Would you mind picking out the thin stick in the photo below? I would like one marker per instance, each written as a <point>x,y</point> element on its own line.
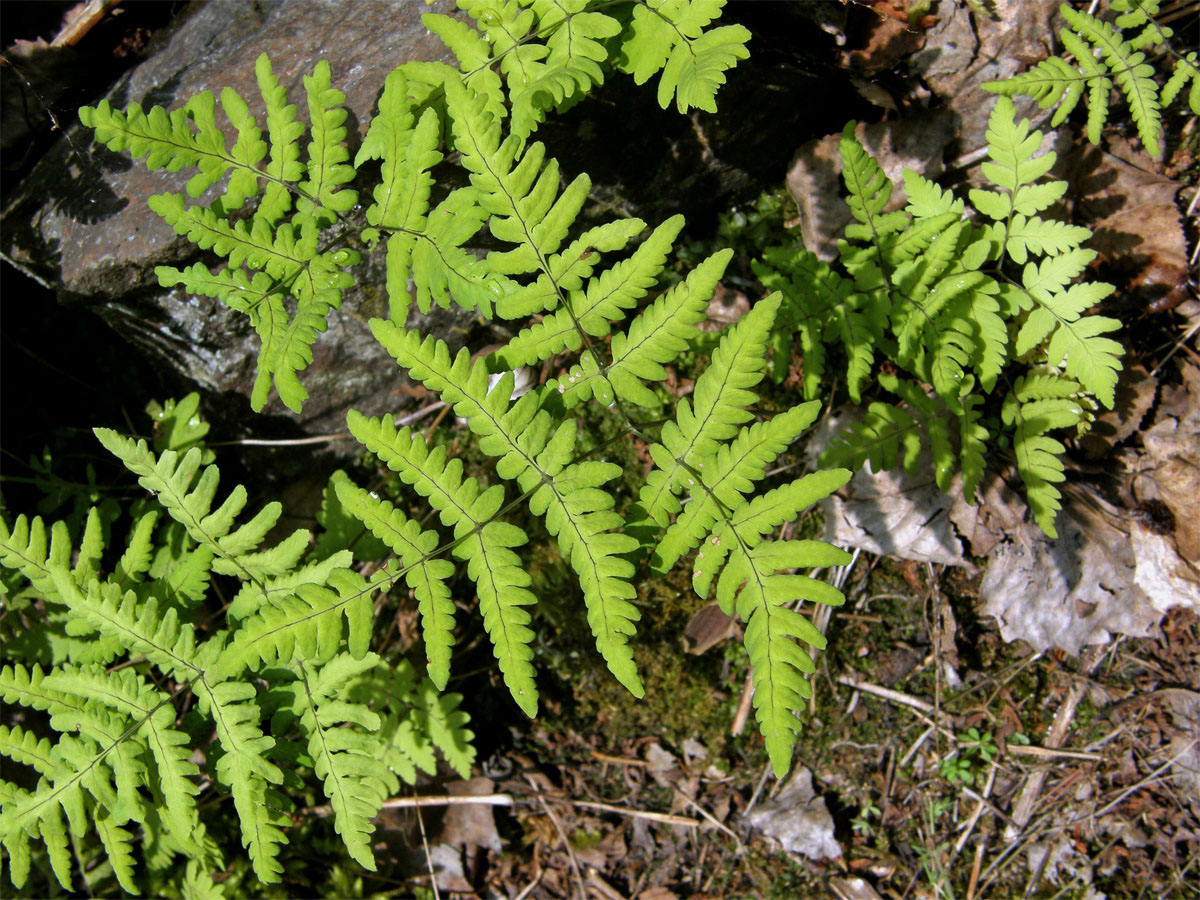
<point>1191,332</point>
<point>895,696</point>
<point>743,707</point>
<point>707,815</point>
<point>602,886</point>
<point>428,856</point>
<point>974,820</point>
<point>1023,808</point>
<point>661,818</point>
<point>618,760</point>
<point>525,891</point>
<point>438,800</point>
<point>975,866</point>
<point>289,442</point>
<point>1145,782</point>
<point>1051,753</point>
<point>757,790</point>
<point>83,22</point>
<point>917,745</point>
<point>323,438</point>
<point>562,834</point>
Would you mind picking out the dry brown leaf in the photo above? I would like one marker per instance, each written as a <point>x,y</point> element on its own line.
<point>1170,470</point>
<point>1136,225</point>
<point>725,308</point>
<point>814,180</point>
<point>885,42</point>
<point>708,628</point>
<point>1104,575</point>
<point>1135,396</point>
<point>997,512</point>
<point>798,819</point>
<point>470,825</point>
<point>658,892</point>
<point>893,513</point>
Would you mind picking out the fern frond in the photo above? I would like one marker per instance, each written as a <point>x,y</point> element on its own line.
<point>425,574</point>
<point>344,758</point>
<point>1037,404</point>
<point>869,192</point>
<point>577,512</point>
<point>658,334</point>
<point>821,305</point>
<point>669,36</point>
<point>304,622</point>
<point>26,748</point>
<point>427,245</point>
<point>973,438</point>
<point>168,643</point>
<point>283,167</point>
<point>288,255</point>
<point>467,508</point>
<point>322,195</point>
<point>881,436</point>
<point>185,137</point>
<point>749,586</point>
<point>150,711</point>
<point>1076,342</point>
<point>1035,235</point>
<point>772,631</point>
<point>720,397</point>
<point>418,720</point>
<point>521,196</point>
<point>728,477</point>
<point>1120,58</point>
<point>135,562</point>
<point>446,726</point>
<point>118,848</point>
<point>605,300</point>
<point>286,251</point>
<point>570,68</point>
<point>170,478</point>
<point>1187,69</point>
<point>25,549</point>
<point>28,687</point>
<point>39,814</point>
<point>244,768</point>
<point>1132,74</point>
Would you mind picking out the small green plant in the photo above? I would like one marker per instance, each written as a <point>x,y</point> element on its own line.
<point>933,853</point>
<point>958,770</point>
<point>975,751</point>
<point>862,823</point>
<point>981,745</point>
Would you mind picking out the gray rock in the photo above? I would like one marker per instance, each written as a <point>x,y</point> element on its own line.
<point>79,222</point>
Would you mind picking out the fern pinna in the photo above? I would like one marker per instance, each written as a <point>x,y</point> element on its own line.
<point>964,311</point>
<point>1105,53</point>
<point>124,647</point>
